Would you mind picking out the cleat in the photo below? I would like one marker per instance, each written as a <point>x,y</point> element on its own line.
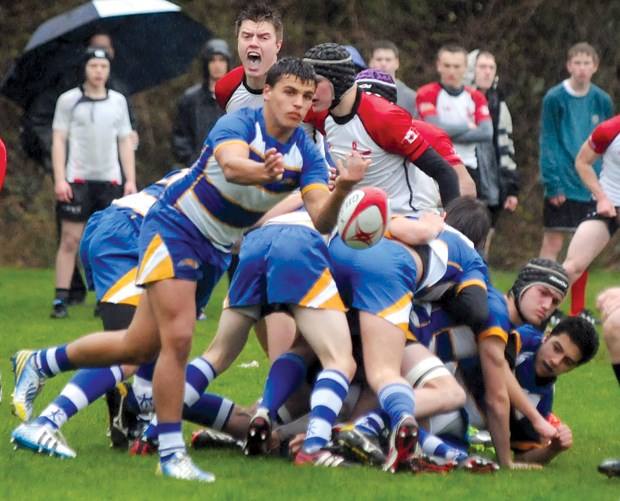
<point>182,468</point>
<point>144,446</point>
<point>121,417</point>
<point>208,438</point>
<point>402,444</point>
<point>477,464</point>
<point>359,446</point>
<point>28,384</point>
<point>589,316</point>
<point>43,439</point>
<point>322,457</point>
<point>610,467</point>
<point>429,464</point>
<point>59,309</point>
<point>259,432</point>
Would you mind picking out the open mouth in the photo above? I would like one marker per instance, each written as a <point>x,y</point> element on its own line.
<point>254,60</point>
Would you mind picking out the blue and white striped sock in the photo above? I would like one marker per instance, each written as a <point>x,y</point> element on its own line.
<point>52,361</point>
<point>372,423</point>
<point>198,376</point>
<point>82,390</point>
<point>170,440</point>
<point>329,392</point>
<point>397,400</point>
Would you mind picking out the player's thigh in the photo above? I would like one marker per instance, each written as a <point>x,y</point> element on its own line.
<point>588,241</point>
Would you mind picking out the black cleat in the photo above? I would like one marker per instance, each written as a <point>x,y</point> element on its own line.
<point>59,309</point>
<point>258,435</point>
<point>610,467</point>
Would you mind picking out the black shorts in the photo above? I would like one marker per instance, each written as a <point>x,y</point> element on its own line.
<point>88,198</point>
<point>613,223</point>
<point>495,211</point>
<point>567,216</point>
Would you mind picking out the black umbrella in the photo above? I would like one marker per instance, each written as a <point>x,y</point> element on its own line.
<point>153,40</point>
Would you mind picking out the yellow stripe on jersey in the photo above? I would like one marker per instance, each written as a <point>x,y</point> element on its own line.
<point>398,314</point>
<point>323,294</point>
<point>493,331</point>
<point>125,290</point>
<point>314,186</point>
<point>468,283</point>
<point>156,263</point>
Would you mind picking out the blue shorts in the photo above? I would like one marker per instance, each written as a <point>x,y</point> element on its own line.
<point>380,280</point>
<point>109,254</point>
<point>284,263</point>
<point>172,247</point>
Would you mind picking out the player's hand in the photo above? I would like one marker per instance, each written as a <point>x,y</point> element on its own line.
<point>511,203</point>
<point>274,164</point>
<point>545,430</point>
<point>557,200</point>
<point>130,188</point>
<point>352,170</point>
<point>295,443</point>
<point>333,174</point>
<point>608,301</point>
<point>605,208</point>
<point>524,466</point>
<point>564,439</point>
<point>63,191</point>
<point>434,221</point>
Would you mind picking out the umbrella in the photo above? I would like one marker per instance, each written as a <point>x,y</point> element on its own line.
<point>153,42</point>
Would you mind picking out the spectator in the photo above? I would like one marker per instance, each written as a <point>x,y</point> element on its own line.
<point>91,128</point>
<point>460,110</point>
<point>197,109</point>
<point>499,180</point>
<point>384,56</point>
<point>571,110</point>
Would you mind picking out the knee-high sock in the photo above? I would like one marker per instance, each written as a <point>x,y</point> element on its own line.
<point>170,440</point>
<point>143,388</point>
<point>397,400</point>
<point>329,392</point>
<point>285,375</point>
<point>372,423</point>
<point>198,376</point>
<point>82,390</point>
<point>435,446</point>
<point>52,361</point>
<point>210,410</point>
<point>578,294</point>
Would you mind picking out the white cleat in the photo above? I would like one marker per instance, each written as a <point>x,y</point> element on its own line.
<point>28,384</point>
<point>182,467</point>
<point>43,439</point>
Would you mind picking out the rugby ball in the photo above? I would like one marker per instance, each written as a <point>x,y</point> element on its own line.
<point>364,217</point>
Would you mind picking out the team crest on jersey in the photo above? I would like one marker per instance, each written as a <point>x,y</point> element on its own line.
<point>363,153</point>
<point>596,119</point>
<point>426,107</point>
<point>411,135</point>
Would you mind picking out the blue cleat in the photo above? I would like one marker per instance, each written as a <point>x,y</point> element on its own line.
<point>182,467</point>
<point>28,384</point>
<point>41,438</point>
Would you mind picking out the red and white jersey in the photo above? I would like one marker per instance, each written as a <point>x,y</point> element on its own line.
<point>385,133</point>
<point>605,140</point>
<point>426,197</point>
<point>469,106</point>
<point>232,93</point>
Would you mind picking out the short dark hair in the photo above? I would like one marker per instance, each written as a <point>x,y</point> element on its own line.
<point>259,12</point>
<point>292,66</point>
<point>471,217</point>
<point>384,44</point>
<point>452,48</point>
<point>582,333</point>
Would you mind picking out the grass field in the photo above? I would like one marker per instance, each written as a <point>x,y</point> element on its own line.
<point>587,399</point>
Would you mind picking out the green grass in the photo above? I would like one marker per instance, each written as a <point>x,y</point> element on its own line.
<point>587,399</point>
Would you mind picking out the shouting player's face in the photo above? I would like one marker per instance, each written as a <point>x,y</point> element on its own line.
<point>258,47</point>
<point>287,103</point>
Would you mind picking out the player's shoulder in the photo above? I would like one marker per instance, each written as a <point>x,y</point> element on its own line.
<point>226,86</point>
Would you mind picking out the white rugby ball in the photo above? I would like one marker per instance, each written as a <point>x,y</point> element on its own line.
<point>364,217</point>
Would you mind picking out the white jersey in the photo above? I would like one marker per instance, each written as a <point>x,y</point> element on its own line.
<point>93,127</point>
